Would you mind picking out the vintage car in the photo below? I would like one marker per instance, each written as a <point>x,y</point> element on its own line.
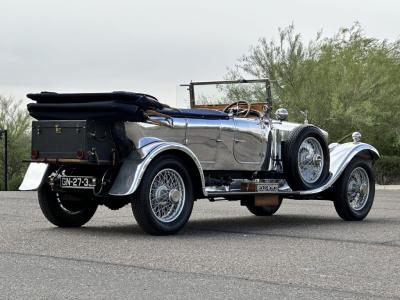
<point>112,149</point>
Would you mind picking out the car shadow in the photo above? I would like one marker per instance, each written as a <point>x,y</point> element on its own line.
<point>274,225</point>
<point>263,225</point>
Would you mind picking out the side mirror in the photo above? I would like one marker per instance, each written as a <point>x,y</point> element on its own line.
<point>281,114</point>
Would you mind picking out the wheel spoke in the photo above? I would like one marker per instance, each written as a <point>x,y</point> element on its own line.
<point>358,188</point>
<point>310,160</point>
<point>167,195</point>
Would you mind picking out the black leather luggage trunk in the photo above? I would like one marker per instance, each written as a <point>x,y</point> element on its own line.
<point>74,141</point>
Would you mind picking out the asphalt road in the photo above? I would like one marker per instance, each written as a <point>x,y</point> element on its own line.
<point>305,251</point>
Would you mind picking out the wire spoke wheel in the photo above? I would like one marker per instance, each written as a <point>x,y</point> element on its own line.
<point>353,194</point>
<point>167,195</point>
<point>164,200</point>
<point>358,188</point>
<point>310,160</point>
<point>306,158</point>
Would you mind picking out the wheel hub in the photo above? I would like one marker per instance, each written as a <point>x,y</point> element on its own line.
<point>317,159</point>
<point>174,195</point>
<point>363,188</point>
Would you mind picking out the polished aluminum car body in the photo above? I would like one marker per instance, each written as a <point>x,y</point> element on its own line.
<point>217,148</point>
<point>249,144</point>
<point>233,144</point>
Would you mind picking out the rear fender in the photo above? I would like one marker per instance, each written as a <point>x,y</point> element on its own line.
<point>340,156</point>
<point>135,165</point>
<point>34,176</point>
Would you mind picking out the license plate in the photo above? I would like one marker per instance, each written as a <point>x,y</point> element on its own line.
<point>260,187</point>
<point>267,187</point>
<point>78,182</point>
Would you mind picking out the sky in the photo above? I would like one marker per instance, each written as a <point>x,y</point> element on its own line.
<point>152,46</point>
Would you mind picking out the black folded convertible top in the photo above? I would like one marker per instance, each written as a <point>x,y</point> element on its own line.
<point>134,98</point>
<point>114,106</point>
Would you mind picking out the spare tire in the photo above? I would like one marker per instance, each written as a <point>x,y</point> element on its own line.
<point>306,158</point>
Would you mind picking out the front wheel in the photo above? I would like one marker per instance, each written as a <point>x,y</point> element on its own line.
<point>64,209</point>
<point>354,192</point>
<point>164,201</point>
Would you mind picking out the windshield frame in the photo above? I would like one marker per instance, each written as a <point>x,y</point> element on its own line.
<point>192,84</point>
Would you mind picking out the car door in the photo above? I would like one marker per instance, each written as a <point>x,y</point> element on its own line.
<point>248,141</point>
<point>203,138</point>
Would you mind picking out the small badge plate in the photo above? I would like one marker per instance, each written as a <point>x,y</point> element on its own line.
<point>260,187</point>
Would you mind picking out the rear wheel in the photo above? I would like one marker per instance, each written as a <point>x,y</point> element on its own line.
<point>66,210</point>
<point>164,200</point>
<point>354,192</point>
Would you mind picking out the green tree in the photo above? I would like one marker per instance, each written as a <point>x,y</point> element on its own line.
<point>347,82</point>
<point>16,120</point>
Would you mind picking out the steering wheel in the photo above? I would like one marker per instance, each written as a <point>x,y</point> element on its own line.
<point>237,111</point>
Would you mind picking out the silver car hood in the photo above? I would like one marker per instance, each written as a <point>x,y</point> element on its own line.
<point>286,127</point>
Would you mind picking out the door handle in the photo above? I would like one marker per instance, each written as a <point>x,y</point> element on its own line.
<point>217,140</point>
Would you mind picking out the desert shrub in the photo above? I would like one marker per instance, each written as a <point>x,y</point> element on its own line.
<point>387,170</point>
<point>15,118</point>
<point>348,82</point>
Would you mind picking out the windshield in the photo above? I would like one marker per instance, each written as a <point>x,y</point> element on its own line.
<point>225,92</point>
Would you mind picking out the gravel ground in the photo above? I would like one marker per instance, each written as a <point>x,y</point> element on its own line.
<point>305,251</point>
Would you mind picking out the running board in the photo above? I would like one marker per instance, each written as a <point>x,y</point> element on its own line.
<point>239,193</point>
<point>246,187</point>
<point>263,187</point>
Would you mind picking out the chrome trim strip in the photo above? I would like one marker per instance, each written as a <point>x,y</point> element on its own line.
<point>221,194</point>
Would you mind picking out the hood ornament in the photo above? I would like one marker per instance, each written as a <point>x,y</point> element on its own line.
<point>305,115</point>
<point>356,137</point>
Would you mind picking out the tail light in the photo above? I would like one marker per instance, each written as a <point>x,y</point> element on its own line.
<point>80,154</point>
<point>34,153</point>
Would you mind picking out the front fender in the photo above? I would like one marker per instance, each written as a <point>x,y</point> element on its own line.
<point>340,157</point>
<point>134,167</point>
